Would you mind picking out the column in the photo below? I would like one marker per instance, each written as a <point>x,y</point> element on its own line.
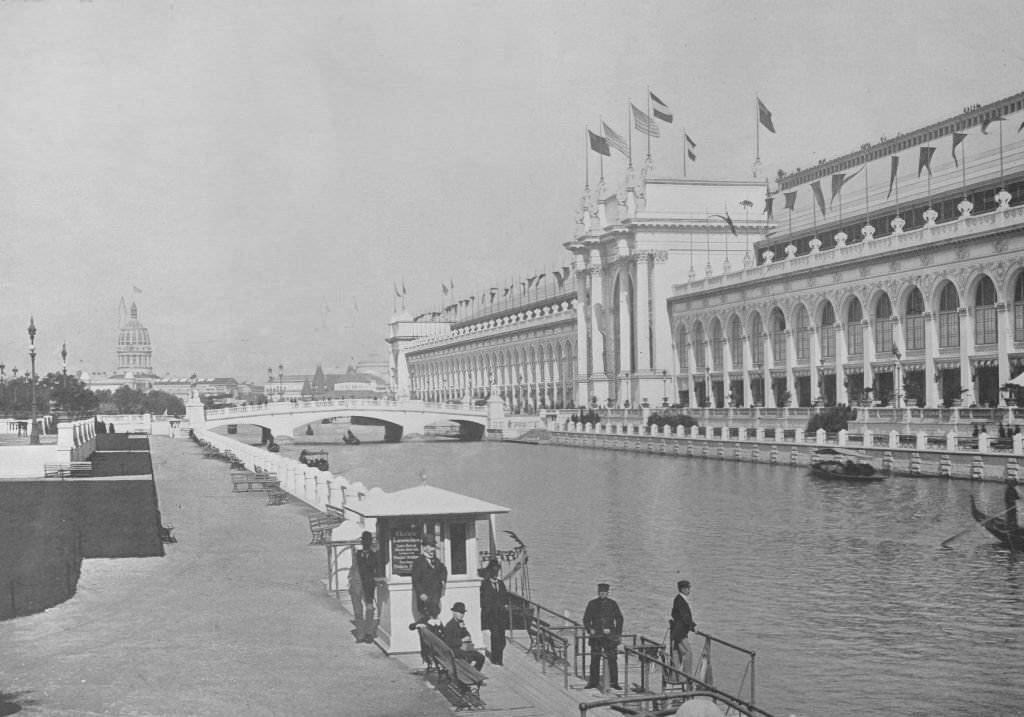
<point>868,337</point>
<point>748,367</point>
<point>931,350</point>
<point>643,312</point>
<point>596,341</point>
<point>661,333</point>
<point>842,392</point>
<point>766,377</point>
<point>623,346</point>
<point>1005,329</point>
<point>814,360</point>
<point>966,348</point>
<point>790,364</point>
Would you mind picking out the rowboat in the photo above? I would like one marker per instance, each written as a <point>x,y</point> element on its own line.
<point>1010,536</point>
<point>835,463</point>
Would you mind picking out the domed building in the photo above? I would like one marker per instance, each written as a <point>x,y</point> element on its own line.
<point>134,358</point>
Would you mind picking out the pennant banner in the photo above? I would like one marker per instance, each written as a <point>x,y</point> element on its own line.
<point>764,116</point>
<point>768,207</point>
<point>987,121</point>
<point>892,174</point>
<point>691,146</point>
<point>645,124</point>
<point>728,220</point>
<point>958,137</point>
<point>599,144</point>
<point>615,140</point>
<point>819,197</point>
<point>660,109</point>
<point>925,160</point>
<point>790,200</point>
<point>839,181</point>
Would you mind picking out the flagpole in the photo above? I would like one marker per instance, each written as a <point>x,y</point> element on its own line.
<point>648,132</point>
<point>629,126</point>
<point>963,167</point>
<point>685,149</point>
<point>867,197</point>
<point>1001,187</point>
<point>602,156</point>
<point>757,133</point>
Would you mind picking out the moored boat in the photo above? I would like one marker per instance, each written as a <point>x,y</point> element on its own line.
<point>835,463</point>
<point>1010,536</point>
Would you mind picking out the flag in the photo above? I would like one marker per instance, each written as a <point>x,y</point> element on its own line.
<point>728,220</point>
<point>398,294</point>
<point>599,144</point>
<point>444,288</point>
<point>1021,127</point>
<point>136,290</point>
<point>645,124</point>
<point>892,174</point>
<point>925,160</point>
<point>764,116</point>
<point>987,121</point>
<point>790,200</point>
<point>690,147</point>
<point>839,180</point>
<point>615,140</point>
<point>959,137</point>
<point>768,207</point>
<point>355,305</point>
<point>818,196</point>
<point>660,109</point>
<point>403,287</point>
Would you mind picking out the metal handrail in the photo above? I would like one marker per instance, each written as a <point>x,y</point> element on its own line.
<point>670,703</point>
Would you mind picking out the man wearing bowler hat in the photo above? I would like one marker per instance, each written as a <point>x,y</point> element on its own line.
<point>603,622</point>
<point>457,637</point>
<point>680,626</point>
<point>429,576</point>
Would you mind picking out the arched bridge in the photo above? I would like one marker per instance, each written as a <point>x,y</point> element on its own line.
<point>398,418</point>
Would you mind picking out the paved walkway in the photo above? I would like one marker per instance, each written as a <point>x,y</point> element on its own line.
<point>233,621</point>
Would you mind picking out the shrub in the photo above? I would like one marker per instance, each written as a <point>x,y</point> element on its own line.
<point>672,420</point>
<point>832,419</point>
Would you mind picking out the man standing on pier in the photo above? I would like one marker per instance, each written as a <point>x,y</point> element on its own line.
<point>1010,497</point>
<point>680,626</point>
<point>603,622</point>
<point>366,565</point>
<point>429,577</point>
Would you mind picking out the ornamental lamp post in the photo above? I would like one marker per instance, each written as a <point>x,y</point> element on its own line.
<point>897,369</point>
<point>821,382</point>
<point>64,364</point>
<point>280,382</point>
<point>664,388</point>
<point>33,435</point>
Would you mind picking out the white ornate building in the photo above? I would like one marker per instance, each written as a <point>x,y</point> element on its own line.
<point>866,278</point>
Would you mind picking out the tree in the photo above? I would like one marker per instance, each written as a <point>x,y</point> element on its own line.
<point>68,395</point>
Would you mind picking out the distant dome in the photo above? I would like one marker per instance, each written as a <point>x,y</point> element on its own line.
<point>134,351</point>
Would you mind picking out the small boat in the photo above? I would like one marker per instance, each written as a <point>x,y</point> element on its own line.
<point>835,463</point>
<point>350,439</point>
<point>1010,536</point>
<point>315,459</point>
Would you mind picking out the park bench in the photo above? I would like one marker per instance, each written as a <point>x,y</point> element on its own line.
<point>462,680</point>
<point>276,496</point>
<point>67,470</point>
<point>246,481</point>
<point>320,527</point>
<point>167,534</point>
<point>546,642</point>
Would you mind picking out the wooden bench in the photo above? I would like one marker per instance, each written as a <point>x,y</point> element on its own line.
<point>246,481</point>
<point>463,680</point>
<point>320,527</point>
<point>546,642</point>
<point>276,496</point>
<point>67,470</point>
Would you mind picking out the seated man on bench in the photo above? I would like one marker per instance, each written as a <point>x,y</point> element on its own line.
<point>457,637</point>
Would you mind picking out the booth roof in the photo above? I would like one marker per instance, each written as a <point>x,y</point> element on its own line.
<point>421,500</point>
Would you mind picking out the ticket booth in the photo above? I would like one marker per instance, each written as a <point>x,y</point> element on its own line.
<point>405,517</point>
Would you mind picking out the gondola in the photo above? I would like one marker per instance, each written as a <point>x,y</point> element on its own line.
<point>1012,538</point>
<point>836,464</point>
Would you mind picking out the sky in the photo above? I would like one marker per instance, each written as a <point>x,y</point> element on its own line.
<point>259,176</point>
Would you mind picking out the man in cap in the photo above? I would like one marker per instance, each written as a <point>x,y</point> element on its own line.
<point>458,638</point>
<point>429,577</point>
<point>680,626</point>
<point>1010,497</point>
<point>603,622</point>
<point>366,566</point>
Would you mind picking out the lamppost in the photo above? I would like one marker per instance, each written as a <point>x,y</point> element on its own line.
<point>664,388</point>
<point>821,381</point>
<point>280,382</point>
<point>707,386</point>
<point>64,364</point>
<point>269,392</point>
<point>629,391</point>
<point>33,434</point>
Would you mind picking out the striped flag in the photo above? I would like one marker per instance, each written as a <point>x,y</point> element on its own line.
<point>764,116</point>
<point>660,109</point>
<point>599,144</point>
<point>615,140</point>
<point>690,147</point>
<point>645,124</point>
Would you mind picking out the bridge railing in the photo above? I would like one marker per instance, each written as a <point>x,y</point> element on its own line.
<point>303,406</point>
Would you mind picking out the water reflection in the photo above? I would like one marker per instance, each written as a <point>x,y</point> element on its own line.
<point>842,589</point>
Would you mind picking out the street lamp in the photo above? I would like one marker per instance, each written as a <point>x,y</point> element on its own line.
<point>280,382</point>
<point>821,381</point>
<point>64,364</point>
<point>33,435</point>
<point>629,391</point>
<point>897,368</point>
<point>664,388</point>
<point>707,386</point>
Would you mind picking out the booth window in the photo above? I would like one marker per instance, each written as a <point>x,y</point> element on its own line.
<point>457,539</point>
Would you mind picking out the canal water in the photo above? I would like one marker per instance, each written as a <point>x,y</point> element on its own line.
<point>843,590</point>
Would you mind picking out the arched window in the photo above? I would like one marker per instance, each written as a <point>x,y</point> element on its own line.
<point>1018,308</point>
<point>803,334</point>
<point>854,329</point>
<point>883,325</point>
<point>700,357</point>
<point>949,317</point>
<point>778,337</point>
<point>986,329</point>
<point>717,344</point>
<point>736,342</point>
<point>757,340</point>
<point>828,331</point>
<point>913,325</point>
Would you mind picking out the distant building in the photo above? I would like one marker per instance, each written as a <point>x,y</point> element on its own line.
<point>134,358</point>
<point>351,384</point>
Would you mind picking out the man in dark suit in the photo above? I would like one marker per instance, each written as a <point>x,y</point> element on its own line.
<point>457,637</point>
<point>494,609</point>
<point>603,622</point>
<point>680,627</point>
<point>366,566</point>
<point>429,577</point>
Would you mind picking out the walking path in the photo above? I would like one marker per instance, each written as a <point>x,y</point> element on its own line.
<point>234,620</point>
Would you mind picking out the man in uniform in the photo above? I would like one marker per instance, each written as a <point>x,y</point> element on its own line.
<point>429,577</point>
<point>680,626</point>
<point>457,637</point>
<point>366,566</point>
<point>603,622</point>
